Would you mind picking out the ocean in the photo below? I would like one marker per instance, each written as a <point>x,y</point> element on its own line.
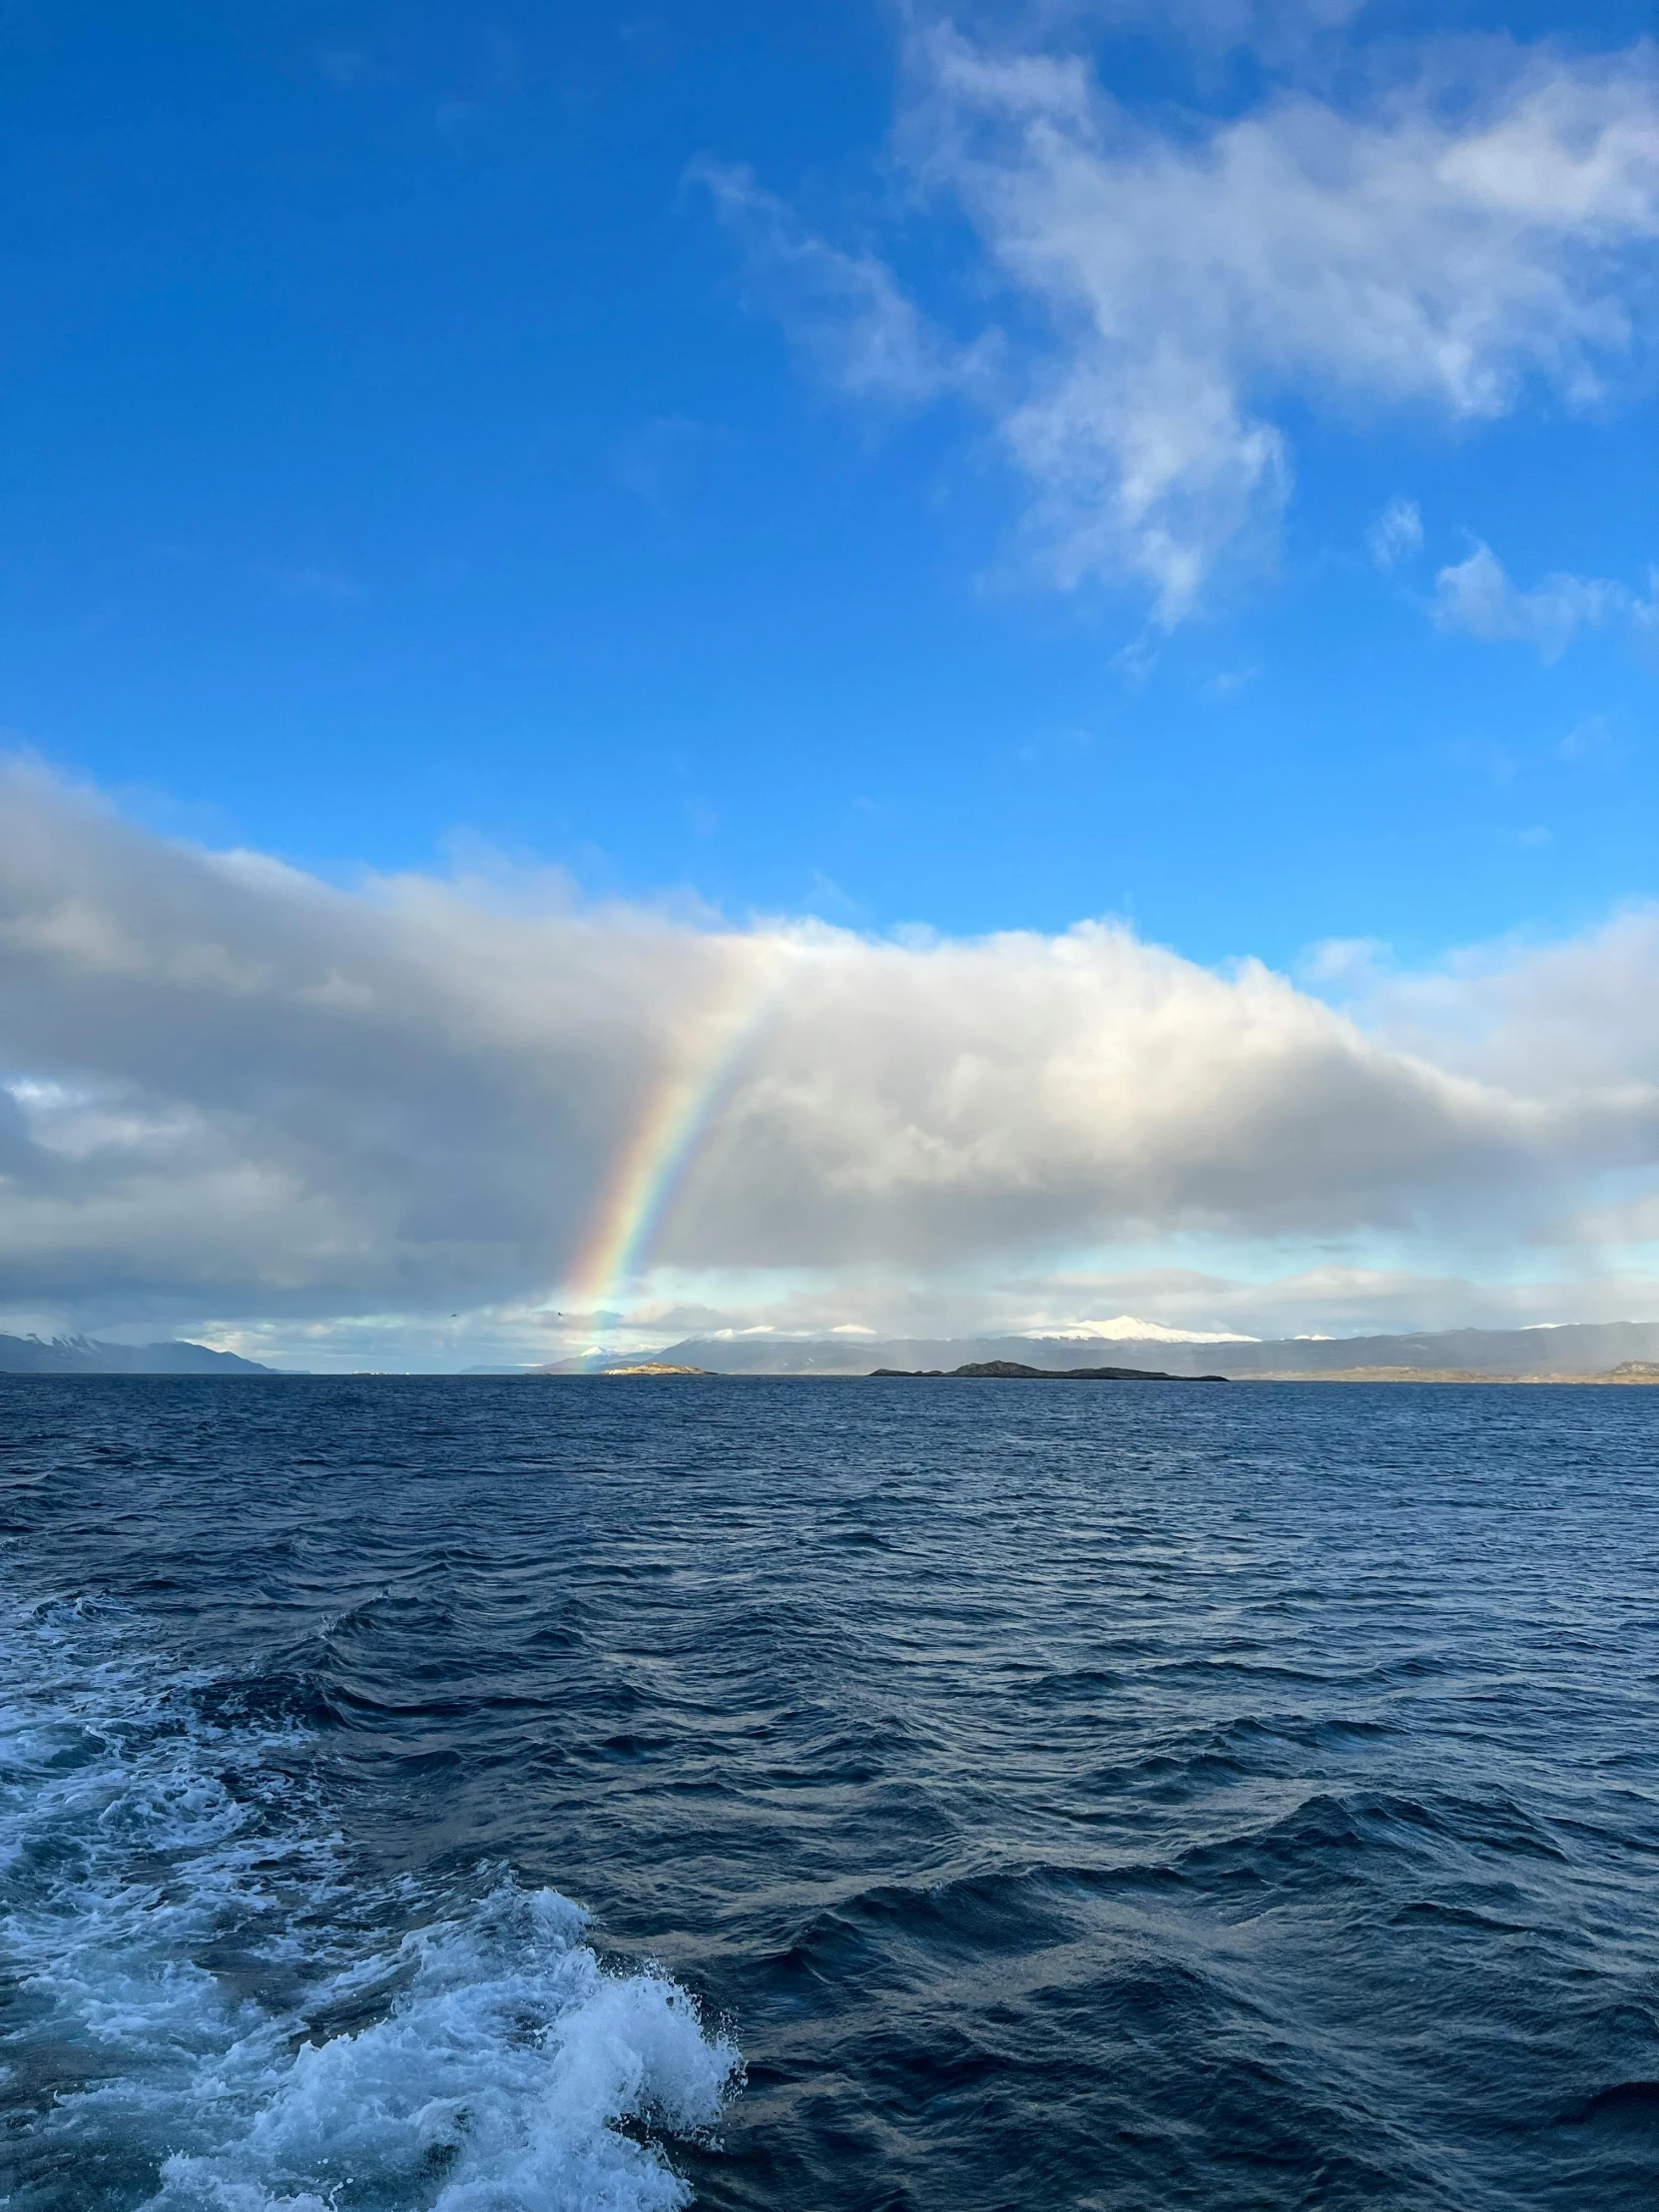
<point>513,1796</point>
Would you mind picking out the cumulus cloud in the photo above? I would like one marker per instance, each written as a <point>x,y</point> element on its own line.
<point>1537,1020</point>
<point>1477,598</point>
<point>229,1088</point>
<point>1169,286</point>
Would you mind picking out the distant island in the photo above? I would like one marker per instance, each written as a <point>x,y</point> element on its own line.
<point>84,1355</point>
<point>652,1367</point>
<point>1011,1370</point>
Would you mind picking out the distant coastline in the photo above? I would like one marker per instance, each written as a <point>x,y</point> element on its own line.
<point>1601,1354</point>
<point>1622,1352</point>
<point>1637,1372</point>
<point>1012,1370</point>
<point>86,1356</point>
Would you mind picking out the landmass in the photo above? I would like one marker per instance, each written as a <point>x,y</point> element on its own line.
<point>1625,1353</point>
<point>86,1356</point>
<point>998,1370</point>
<point>652,1367</point>
<point>1631,1371</point>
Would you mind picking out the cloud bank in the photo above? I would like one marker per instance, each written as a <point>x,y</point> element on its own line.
<point>1164,288</point>
<point>231,1089</point>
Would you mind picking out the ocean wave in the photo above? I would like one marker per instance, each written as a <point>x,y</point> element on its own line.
<point>211,2014</point>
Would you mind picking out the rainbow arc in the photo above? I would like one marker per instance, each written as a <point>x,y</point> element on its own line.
<point>679,1113</point>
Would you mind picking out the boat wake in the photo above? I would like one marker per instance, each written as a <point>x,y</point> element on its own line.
<point>208,2015</point>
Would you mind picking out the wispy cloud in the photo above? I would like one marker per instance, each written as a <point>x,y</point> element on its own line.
<point>1591,740</point>
<point>1396,534</point>
<point>1477,598</point>
<point>1164,287</point>
<point>664,460</point>
<point>847,310</point>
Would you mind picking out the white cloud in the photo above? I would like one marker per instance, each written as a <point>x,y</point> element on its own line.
<point>1410,255</point>
<point>1477,598</point>
<point>1276,29</point>
<point>1317,1296</point>
<point>233,1090</point>
<point>865,336</point>
<point>1632,1222</point>
<point>1396,534</point>
<point>1345,962</point>
<point>1543,1022</point>
<point>1167,286</point>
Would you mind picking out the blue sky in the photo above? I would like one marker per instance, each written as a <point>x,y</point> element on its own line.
<point>398,445</point>
<point>696,449</point>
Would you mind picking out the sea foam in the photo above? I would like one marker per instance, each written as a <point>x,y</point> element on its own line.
<point>212,2015</point>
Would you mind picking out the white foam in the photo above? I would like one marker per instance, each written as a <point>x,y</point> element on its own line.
<point>188,1939</point>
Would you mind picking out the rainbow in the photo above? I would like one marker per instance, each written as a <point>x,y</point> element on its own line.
<point>679,1110</point>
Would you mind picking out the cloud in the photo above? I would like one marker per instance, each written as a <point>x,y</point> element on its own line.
<point>232,1089</point>
<point>1477,598</point>
<point>1167,286</point>
<point>1634,1222</point>
<point>1272,26</point>
<point>1281,33</point>
<point>663,461</point>
<point>1228,682</point>
<point>1589,740</point>
<point>1413,253</point>
<point>1345,962</point>
<point>847,312</point>
<point>1578,1016</point>
<point>1396,534</point>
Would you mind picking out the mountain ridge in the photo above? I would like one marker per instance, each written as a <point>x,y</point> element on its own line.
<point>86,1356</point>
<point>1575,1348</point>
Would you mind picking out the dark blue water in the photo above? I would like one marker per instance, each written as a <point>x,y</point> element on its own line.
<point>1092,1796</point>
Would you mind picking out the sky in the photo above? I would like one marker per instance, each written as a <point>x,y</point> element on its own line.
<point>786,668</point>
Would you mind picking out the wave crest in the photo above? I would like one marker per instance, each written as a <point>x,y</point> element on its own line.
<point>217,2019</point>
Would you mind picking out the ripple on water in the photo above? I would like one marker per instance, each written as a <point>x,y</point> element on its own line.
<point>1242,1800</point>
